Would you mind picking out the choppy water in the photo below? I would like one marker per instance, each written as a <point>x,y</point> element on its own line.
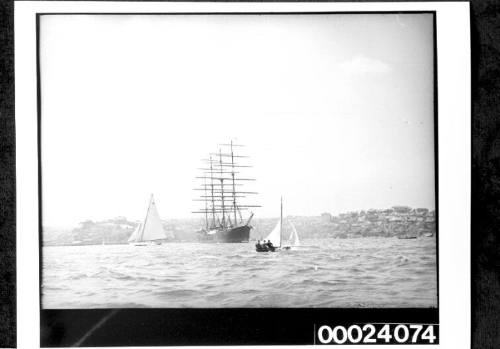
<point>364,272</point>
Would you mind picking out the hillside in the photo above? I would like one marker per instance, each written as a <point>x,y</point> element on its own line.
<point>396,221</point>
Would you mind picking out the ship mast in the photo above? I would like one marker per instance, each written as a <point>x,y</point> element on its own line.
<point>206,203</point>
<point>212,192</point>
<point>234,186</point>
<point>222,190</point>
<point>281,221</point>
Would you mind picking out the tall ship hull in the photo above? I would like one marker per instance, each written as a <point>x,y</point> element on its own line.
<point>230,235</point>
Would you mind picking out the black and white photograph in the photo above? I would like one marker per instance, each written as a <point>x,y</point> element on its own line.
<point>254,161</point>
<point>242,174</point>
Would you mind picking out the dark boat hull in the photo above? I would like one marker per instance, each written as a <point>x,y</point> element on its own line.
<point>230,235</point>
<point>265,248</point>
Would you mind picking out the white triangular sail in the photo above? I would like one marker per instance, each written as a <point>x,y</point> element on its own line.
<point>135,235</point>
<point>153,229</point>
<point>275,235</point>
<point>294,236</point>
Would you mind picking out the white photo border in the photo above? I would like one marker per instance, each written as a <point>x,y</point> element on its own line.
<point>454,145</point>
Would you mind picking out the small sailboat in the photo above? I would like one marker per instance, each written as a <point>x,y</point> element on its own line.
<point>293,239</point>
<point>149,232</point>
<point>272,242</point>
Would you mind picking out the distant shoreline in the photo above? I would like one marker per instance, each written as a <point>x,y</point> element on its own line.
<point>397,221</point>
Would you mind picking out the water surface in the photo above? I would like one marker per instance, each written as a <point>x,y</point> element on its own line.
<point>364,272</point>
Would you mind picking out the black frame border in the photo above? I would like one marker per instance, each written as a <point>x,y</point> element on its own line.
<point>8,289</point>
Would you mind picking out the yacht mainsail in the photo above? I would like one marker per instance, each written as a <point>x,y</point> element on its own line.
<point>275,235</point>
<point>274,241</point>
<point>151,229</point>
<point>135,235</point>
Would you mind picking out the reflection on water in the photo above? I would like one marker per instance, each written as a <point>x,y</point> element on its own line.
<point>364,272</point>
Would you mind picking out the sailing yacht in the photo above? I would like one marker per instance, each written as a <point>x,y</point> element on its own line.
<point>149,232</point>
<point>272,242</point>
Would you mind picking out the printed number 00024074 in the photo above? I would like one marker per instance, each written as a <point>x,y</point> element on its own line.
<point>377,334</point>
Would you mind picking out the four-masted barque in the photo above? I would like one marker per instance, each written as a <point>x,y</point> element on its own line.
<point>222,190</point>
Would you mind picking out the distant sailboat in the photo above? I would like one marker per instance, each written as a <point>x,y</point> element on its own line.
<point>151,230</point>
<point>294,237</point>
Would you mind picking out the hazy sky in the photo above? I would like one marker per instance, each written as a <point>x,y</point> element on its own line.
<point>336,111</point>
